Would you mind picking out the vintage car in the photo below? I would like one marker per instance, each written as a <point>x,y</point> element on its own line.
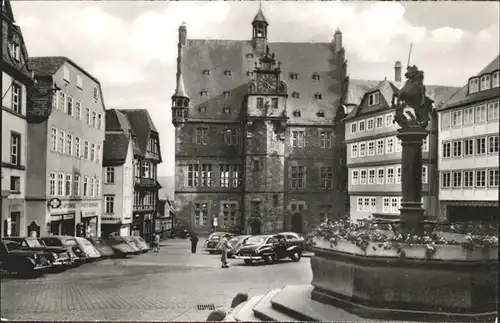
<point>140,243</point>
<point>212,242</point>
<point>269,248</point>
<point>58,256</point>
<point>76,254</point>
<point>235,244</point>
<point>122,247</point>
<point>104,249</point>
<point>295,238</point>
<point>91,252</point>
<point>22,261</point>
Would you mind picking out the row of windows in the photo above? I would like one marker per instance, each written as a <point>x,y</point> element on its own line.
<point>469,116</point>
<point>110,175</point>
<point>388,145</point>
<point>478,178</point>
<point>73,108</point>
<point>145,169</point>
<point>293,76</point>
<point>381,175</point>
<point>144,199</point>
<point>66,143</point>
<point>470,147</point>
<point>483,82</point>
<point>229,214</point>
<point>369,124</point>
<point>61,184</point>
<point>369,204</point>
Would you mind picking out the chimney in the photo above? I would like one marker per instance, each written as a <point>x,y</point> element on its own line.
<point>397,71</point>
<point>337,40</point>
<point>182,34</point>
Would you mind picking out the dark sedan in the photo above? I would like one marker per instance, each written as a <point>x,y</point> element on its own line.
<point>268,248</point>
<point>101,245</point>
<point>212,243</point>
<point>235,244</point>
<point>58,256</point>
<point>22,261</point>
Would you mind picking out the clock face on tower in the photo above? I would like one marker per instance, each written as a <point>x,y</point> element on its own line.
<point>267,83</point>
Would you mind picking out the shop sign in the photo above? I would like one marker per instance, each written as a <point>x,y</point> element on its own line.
<point>91,213</point>
<point>91,205</point>
<point>56,218</point>
<point>68,216</point>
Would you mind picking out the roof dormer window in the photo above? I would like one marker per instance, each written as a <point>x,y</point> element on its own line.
<point>296,113</point>
<point>495,79</point>
<point>294,76</point>
<point>315,76</point>
<point>206,72</point>
<point>485,82</point>
<point>203,93</point>
<point>227,94</point>
<point>227,73</point>
<point>15,48</point>
<point>373,99</point>
<point>318,96</point>
<point>202,109</point>
<point>249,73</point>
<point>226,110</point>
<point>473,85</point>
<point>295,95</point>
<point>321,114</point>
<point>249,55</point>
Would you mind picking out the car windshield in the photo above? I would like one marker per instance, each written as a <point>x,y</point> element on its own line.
<point>51,242</point>
<point>254,240</point>
<point>40,241</point>
<point>33,243</point>
<point>70,243</point>
<point>98,241</point>
<point>13,246</point>
<point>85,242</point>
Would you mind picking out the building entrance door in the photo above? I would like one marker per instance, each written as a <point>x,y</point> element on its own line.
<point>297,223</point>
<point>255,227</point>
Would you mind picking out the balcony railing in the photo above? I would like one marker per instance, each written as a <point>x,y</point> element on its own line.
<point>140,207</point>
<point>147,182</point>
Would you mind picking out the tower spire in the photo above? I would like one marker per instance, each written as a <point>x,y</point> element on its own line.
<point>259,31</point>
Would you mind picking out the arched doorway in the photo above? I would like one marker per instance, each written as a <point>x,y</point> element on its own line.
<point>255,227</point>
<point>297,223</point>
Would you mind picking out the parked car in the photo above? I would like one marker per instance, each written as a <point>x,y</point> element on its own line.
<point>212,242</point>
<point>141,243</point>
<point>58,256</point>
<point>22,261</point>
<point>88,249</point>
<point>235,244</point>
<point>295,238</point>
<point>131,248</point>
<point>75,252</point>
<point>269,248</point>
<point>104,249</point>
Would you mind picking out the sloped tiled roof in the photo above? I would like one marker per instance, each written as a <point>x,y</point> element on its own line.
<point>49,65</point>
<point>357,88</point>
<point>115,149</point>
<point>142,124</point>
<point>259,17</point>
<point>305,59</point>
<point>461,97</point>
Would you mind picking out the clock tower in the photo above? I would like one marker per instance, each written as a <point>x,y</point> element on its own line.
<point>265,125</point>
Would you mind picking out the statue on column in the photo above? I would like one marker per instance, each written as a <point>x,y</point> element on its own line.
<point>412,95</point>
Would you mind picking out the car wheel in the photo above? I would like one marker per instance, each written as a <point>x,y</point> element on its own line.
<point>211,252</point>
<point>295,256</point>
<point>269,259</point>
<point>248,261</point>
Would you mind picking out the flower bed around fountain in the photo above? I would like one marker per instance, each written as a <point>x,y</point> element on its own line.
<point>375,273</point>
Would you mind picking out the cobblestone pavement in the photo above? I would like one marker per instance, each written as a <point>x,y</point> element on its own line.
<point>154,286</point>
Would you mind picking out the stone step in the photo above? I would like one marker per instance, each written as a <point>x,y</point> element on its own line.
<point>264,311</point>
<point>245,312</point>
<point>295,301</point>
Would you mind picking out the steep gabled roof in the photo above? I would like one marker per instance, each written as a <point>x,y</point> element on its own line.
<point>356,90</point>
<point>115,149</point>
<point>259,17</point>
<point>461,97</point>
<point>238,56</point>
<point>49,65</point>
<point>142,125</point>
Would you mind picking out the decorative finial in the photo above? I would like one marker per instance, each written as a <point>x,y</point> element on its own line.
<point>267,49</point>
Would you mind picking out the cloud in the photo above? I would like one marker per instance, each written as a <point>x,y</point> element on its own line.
<point>447,35</point>
<point>27,22</point>
<point>118,72</point>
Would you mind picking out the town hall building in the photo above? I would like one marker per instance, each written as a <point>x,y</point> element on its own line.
<point>259,139</point>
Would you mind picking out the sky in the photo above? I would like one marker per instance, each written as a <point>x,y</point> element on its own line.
<point>131,46</point>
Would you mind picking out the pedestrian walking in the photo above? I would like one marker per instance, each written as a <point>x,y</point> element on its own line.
<point>156,243</point>
<point>224,247</point>
<point>194,242</point>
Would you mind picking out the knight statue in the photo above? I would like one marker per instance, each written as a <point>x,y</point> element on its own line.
<point>412,95</point>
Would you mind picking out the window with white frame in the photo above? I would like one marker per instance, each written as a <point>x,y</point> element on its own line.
<point>485,82</point>
<point>92,187</point>
<point>68,185</point>
<point>354,177</point>
<point>69,144</point>
<point>76,185</point>
<point>86,152</point>
<point>94,119</point>
<point>380,176</point>
<point>110,175</point>
<point>85,186</point>
<point>371,176</point>
<point>60,184</point>
<point>468,117</point>
<point>78,148</point>
<point>493,111</point>
<point>109,204</point>
<point>54,100</point>
<point>398,174</point>
<point>66,74</point>
<point>386,205</point>
<point>92,152</point>
<point>371,148</point>
<point>480,146</point>
<point>480,113</point>
<point>366,204</point>
<point>480,178</point>
<point>52,184</point>
<point>495,79</point>
<point>60,146</point>
<point>373,204</point>
<point>79,81</point>
<point>398,145</point>
<point>468,178</point>
<point>370,124</point>
<point>325,138</point>
<point>359,204</point>
<point>468,147</point>
<point>354,150</point>
<point>493,144</point>
<point>445,179</point>
<point>361,126</point>
<point>97,187</point>
<point>380,146</point>
<point>456,179</point>
<point>87,116</point>
<point>446,147</point>
<point>389,145</point>
<point>373,99</point>
<point>16,97</point>
<point>362,177</point>
<point>62,101</point>
<point>354,127</point>
<point>53,139</point>
<point>99,121</point>
<point>390,175</point>
<point>69,106</point>
<point>456,118</point>
<point>394,205</point>
<point>457,148</point>
<point>493,177</point>
<point>473,85</point>
<point>388,119</point>
<point>362,149</point>
<point>379,122</point>
<point>98,153</point>
<point>445,120</point>
<point>78,110</point>
<point>425,144</point>
<point>298,139</point>
<point>424,174</point>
